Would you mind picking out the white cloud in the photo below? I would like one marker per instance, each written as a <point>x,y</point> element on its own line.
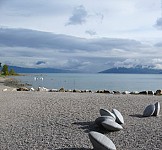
<point>29,48</point>
<point>154,63</point>
<point>112,18</point>
<point>98,36</point>
<point>79,16</point>
<point>158,24</point>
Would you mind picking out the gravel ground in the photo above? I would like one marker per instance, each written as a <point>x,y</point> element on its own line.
<point>62,121</point>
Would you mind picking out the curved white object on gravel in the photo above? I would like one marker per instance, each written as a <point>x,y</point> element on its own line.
<point>100,141</point>
<point>119,117</point>
<point>157,109</point>
<point>149,110</point>
<point>105,112</point>
<point>111,125</point>
<point>100,119</point>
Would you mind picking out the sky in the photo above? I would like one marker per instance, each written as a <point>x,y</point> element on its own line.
<point>81,35</point>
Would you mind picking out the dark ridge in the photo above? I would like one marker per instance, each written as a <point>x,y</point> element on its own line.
<point>137,70</point>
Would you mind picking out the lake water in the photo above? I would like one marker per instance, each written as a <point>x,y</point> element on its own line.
<point>121,82</point>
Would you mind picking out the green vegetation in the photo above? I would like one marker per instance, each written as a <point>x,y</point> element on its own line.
<point>5,72</point>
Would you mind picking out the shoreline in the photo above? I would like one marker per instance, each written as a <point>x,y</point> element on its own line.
<point>2,84</point>
<point>93,82</point>
<point>10,83</point>
<point>13,84</point>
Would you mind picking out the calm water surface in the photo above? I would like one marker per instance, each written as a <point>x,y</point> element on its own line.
<point>121,82</point>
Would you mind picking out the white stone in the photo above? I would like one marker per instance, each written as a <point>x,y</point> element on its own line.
<point>100,119</point>
<point>126,92</point>
<point>149,110</point>
<point>4,90</point>
<point>14,89</point>
<point>119,117</point>
<point>54,90</point>
<point>43,89</point>
<point>134,92</point>
<point>100,141</point>
<point>105,112</point>
<point>157,109</point>
<point>32,89</point>
<point>111,125</point>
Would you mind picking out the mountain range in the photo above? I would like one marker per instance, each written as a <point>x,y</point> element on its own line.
<point>38,70</point>
<point>123,70</point>
<point>136,70</point>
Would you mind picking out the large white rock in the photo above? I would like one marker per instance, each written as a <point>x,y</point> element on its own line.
<point>100,141</point>
<point>157,109</point>
<point>149,110</point>
<point>100,119</point>
<point>105,112</point>
<point>119,117</point>
<point>111,125</point>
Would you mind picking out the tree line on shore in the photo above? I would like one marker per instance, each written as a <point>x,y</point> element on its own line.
<point>5,71</point>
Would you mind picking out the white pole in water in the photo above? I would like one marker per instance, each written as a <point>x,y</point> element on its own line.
<point>41,78</point>
<point>35,78</point>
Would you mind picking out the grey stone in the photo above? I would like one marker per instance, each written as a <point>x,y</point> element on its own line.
<point>106,91</point>
<point>111,125</point>
<point>62,90</point>
<point>105,112</point>
<point>149,110</point>
<point>119,117</point>
<point>76,91</point>
<point>100,119</point>
<point>150,92</point>
<point>158,92</point>
<point>157,109</point>
<point>23,89</point>
<point>116,92</point>
<point>100,141</point>
<point>100,91</point>
<point>143,92</point>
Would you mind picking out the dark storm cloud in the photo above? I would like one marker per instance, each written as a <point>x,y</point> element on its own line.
<point>40,62</point>
<point>46,40</point>
<point>36,48</point>
<point>79,16</point>
<point>158,24</point>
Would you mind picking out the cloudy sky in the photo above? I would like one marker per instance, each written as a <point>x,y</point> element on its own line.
<point>81,35</point>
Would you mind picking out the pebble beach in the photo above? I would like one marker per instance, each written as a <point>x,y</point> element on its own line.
<point>62,120</point>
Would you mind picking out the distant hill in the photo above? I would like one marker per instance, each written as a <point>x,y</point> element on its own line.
<point>37,70</point>
<point>137,70</point>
